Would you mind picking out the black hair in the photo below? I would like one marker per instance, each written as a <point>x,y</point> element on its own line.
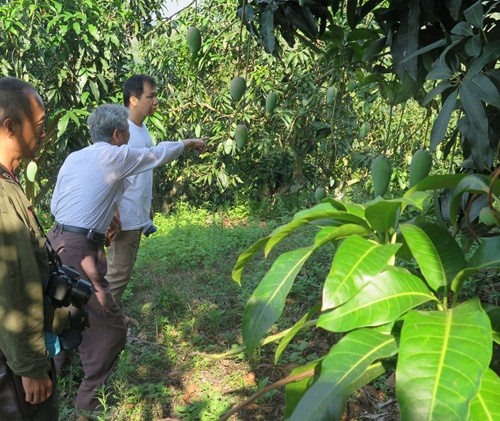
<point>14,99</point>
<point>134,86</point>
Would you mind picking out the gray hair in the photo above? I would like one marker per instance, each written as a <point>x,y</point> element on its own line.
<point>105,119</point>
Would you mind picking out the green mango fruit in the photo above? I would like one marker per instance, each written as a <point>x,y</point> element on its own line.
<point>31,170</point>
<point>487,217</point>
<point>331,93</point>
<point>241,134</point>
<point>319,194</point>
<point>237,87</point>
<point>193,38</point>
<point>381,174</point>
<point>351,85</point>
<point>364,129</point>
<point>271,101</point>
<point>420,166</point>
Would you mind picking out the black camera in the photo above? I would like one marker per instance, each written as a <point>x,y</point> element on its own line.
<point>65,287</point>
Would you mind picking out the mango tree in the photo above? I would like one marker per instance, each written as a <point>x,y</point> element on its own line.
<point>442,53</point>
<point>78,55</point>
<point>393,291</point>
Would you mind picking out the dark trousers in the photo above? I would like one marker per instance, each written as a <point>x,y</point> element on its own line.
<point>105,338</point>
<point>13,406</point>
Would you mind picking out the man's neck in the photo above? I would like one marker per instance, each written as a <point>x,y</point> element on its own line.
<point>136,119</point>
<point>10,163</point>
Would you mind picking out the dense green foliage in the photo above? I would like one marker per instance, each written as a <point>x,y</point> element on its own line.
<point>368,79</point>
<point>439,50</point>
<point>397,273</point>
<point>77,54</point>
<point>306,142</point>
<point>393,289</point>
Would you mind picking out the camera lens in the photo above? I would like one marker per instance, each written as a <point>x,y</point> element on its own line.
<point>80,292</point>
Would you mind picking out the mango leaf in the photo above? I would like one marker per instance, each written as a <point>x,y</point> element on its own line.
<point>62,124</point>
<point>265,305</point>
<point>440,71</point>
<point>384,299</point>
<point>437,253</point>
<point>493,313</point>
<point>295,390</point>
<point>442,356</point>
<point>415,198</point>
<point>95,90</point>
<point>463,28</point>
<point>407,89</point>
<point>405,42</point>
<point>473,183</point>
<point>441,123</point>
<point>484,257</point>
<point>355,262</point>
<point>313,214</point>
<point>335,203</point>
<point>437,44</point>
<point>362,34</point>
<point>333,234</point>
<point>454,8</point>
<point>341,371</point>
<point>296,328</point>
<point>267,31</point>
<point>474,108</point>
<point>473,46</point>
<point>373,49</point>
<point>438,90</point>
<point>436,182</point>
<point>383,215</point>
<point>484,88</point>
<point>474,15</point>
<point>486,405</point>
<point>487,253</point>
<point>490,54</point>
<point>245,257</point>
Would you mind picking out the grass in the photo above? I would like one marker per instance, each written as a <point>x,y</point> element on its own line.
<point>189,310</point>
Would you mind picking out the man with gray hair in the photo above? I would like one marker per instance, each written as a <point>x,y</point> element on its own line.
<point>89,187</point>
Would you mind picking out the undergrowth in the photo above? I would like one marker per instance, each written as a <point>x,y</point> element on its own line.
<point>190,312</point>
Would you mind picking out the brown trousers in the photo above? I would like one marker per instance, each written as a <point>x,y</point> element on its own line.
<point>104,340</point>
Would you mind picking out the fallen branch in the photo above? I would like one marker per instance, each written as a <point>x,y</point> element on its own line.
<point>267,389</point>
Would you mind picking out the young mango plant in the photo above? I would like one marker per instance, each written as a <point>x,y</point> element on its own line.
<point>385,309</point>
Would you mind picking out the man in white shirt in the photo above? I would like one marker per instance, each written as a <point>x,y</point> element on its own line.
<point>89,187</point>
<point>135,212</point>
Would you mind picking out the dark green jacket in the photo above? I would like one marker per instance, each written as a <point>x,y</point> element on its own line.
<point>24,310</point>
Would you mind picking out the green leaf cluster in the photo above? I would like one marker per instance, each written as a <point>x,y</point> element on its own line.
<point>386,307</point>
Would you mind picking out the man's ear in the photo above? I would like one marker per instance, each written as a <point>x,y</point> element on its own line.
<point>133,101</point>
<point>114,138</point>
<point>9,127</point>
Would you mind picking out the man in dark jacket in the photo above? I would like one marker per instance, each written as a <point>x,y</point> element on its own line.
<point>27,380</point>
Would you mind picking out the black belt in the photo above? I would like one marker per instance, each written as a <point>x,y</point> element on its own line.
<point>91,234</point>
